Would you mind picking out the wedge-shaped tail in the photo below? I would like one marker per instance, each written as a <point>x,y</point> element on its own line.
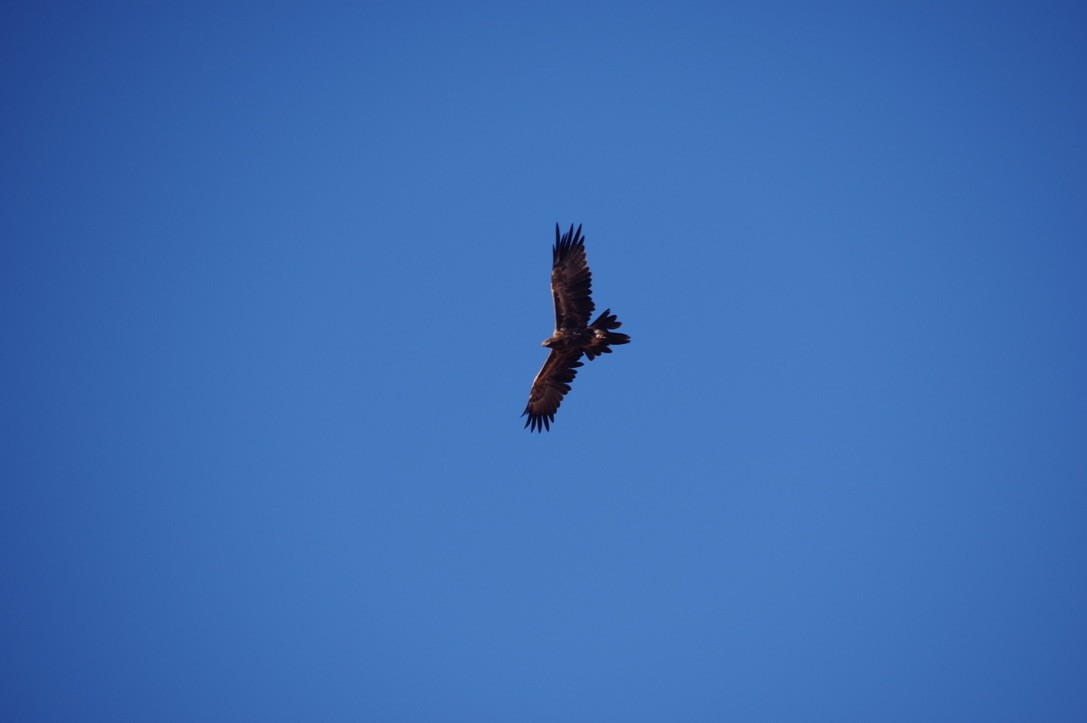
<point>605,337</point>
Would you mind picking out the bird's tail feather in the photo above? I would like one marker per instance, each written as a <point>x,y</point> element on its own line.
<point>605,323</point>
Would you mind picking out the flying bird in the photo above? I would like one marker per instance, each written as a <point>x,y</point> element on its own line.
<point>571,287</point>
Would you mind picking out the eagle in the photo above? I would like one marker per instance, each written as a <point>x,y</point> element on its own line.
<point>571,287</point>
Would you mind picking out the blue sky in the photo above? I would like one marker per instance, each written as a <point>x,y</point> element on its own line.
<point>273,281</point>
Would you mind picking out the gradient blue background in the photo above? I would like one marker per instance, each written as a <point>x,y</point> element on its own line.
<point>273,280</point>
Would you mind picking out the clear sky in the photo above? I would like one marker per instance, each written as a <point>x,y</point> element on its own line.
<point>273,281</point>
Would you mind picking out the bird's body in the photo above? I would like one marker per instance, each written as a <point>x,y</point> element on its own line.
<point>571,288</point>
<point>564,339</point>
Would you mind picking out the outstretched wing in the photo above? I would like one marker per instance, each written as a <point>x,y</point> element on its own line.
<point>571,282</point>
<point>549,387</point>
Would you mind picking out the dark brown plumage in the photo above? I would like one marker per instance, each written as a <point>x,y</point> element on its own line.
<point>571,287</point>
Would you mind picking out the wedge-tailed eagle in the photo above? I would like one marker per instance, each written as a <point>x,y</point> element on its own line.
<point>571,286</point>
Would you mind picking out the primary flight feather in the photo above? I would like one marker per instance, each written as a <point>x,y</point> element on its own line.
<point>571,287</point>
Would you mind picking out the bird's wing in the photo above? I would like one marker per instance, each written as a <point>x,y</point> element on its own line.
<point>571,282</point>
<point>549,387</point>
